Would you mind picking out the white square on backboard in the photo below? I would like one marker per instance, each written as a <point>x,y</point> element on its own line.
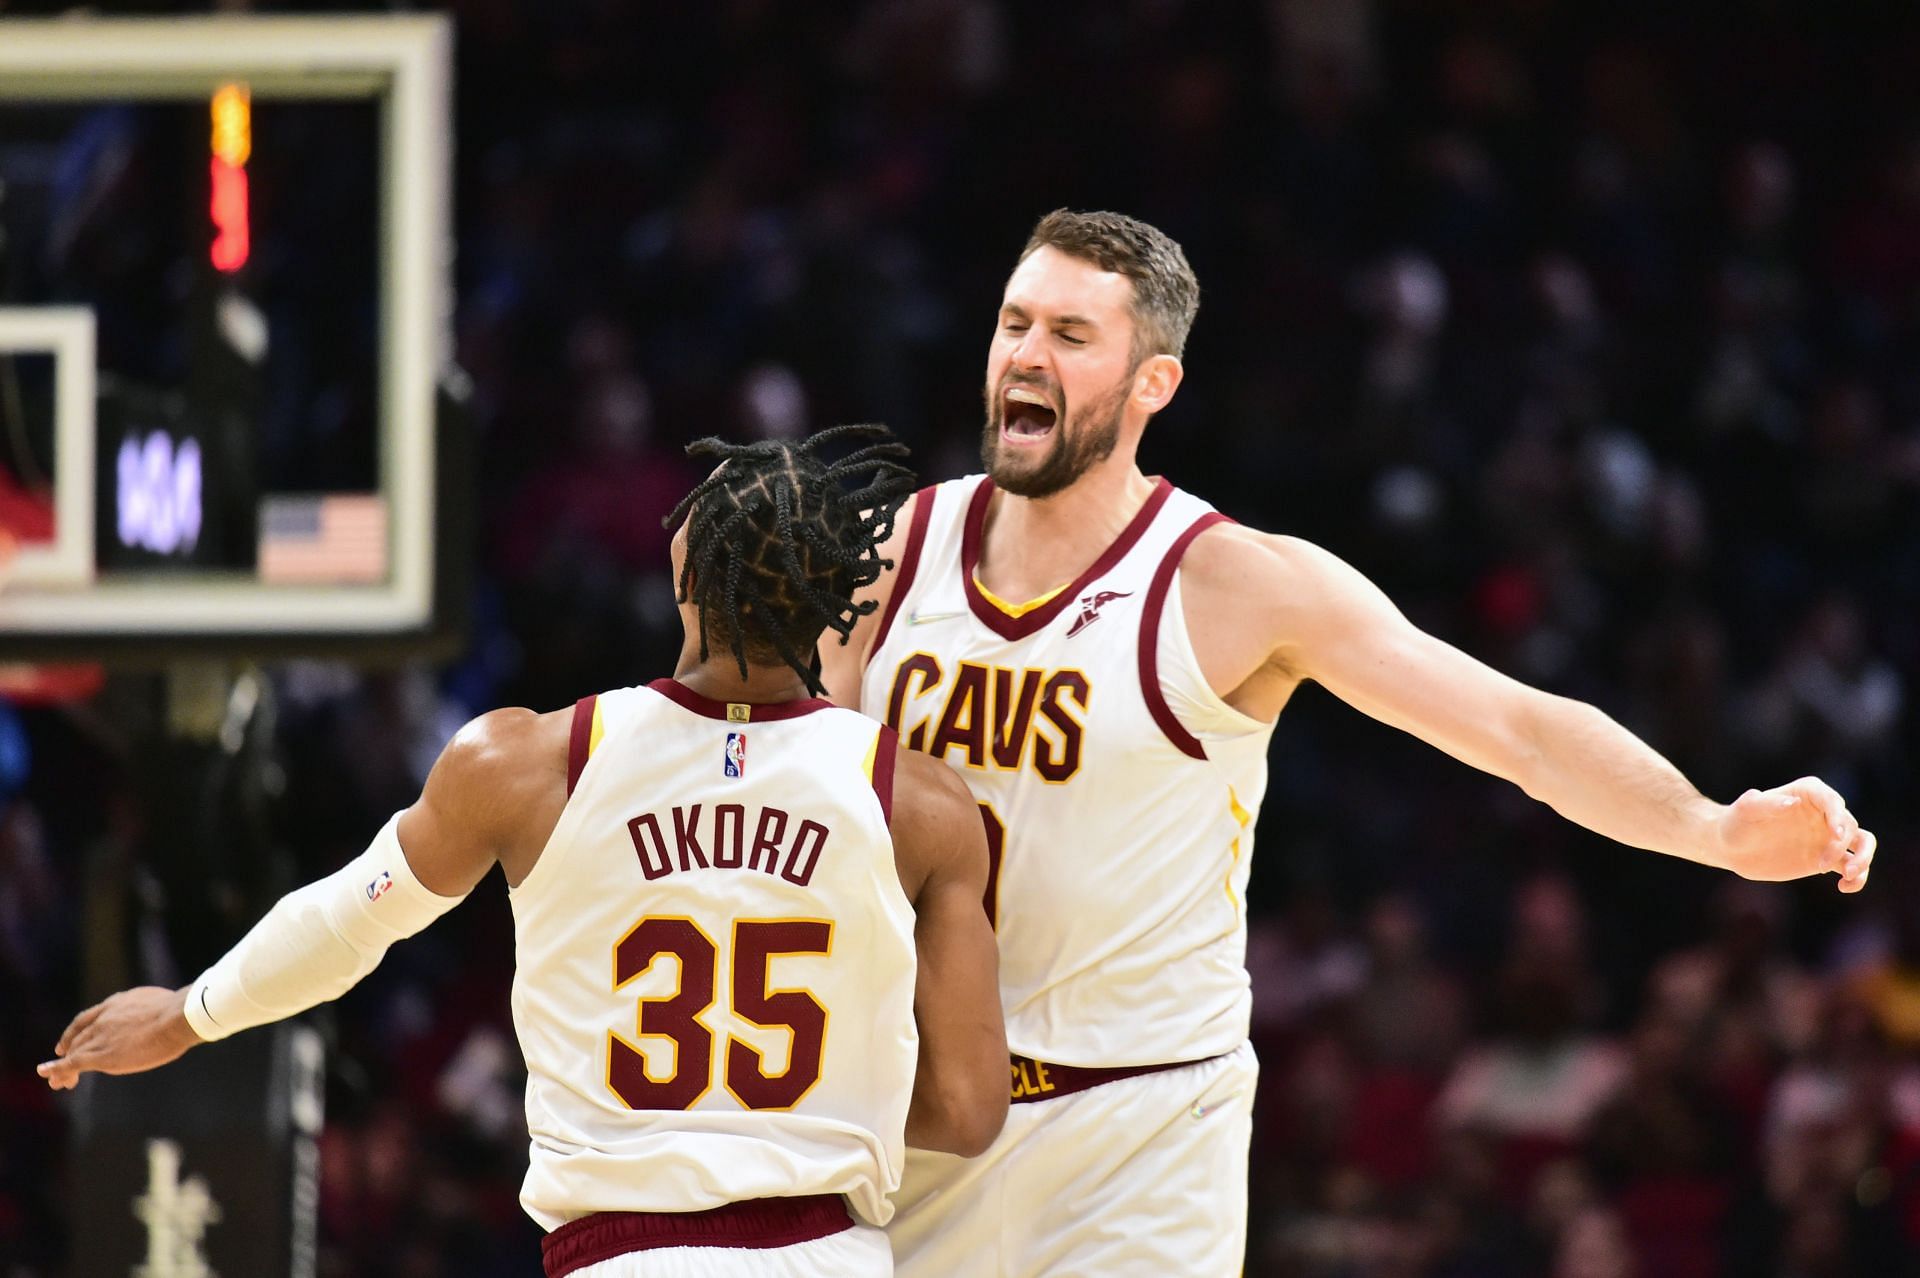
<point>67,333</point>
<point>403,62</point>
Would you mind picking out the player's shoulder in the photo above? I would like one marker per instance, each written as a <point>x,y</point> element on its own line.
<point>843,660</point>
<point>942,500</point>
<point>507,746</point>
<point>1231,556</point>
<point>1260,583</point>
<point>935,820</point>
<point>502,771</point>
<point>928,787</point>
<point>940,504</point>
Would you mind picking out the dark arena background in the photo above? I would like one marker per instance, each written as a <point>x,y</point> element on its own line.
<point>1590,331</point>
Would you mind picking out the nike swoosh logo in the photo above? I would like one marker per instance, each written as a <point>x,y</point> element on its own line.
<point>922,618</point>
<point>1201,1111</point>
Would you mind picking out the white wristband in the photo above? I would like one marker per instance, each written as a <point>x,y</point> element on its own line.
<point>317,942</point>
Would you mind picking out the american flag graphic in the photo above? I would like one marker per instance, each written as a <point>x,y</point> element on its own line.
<point>334,539</point>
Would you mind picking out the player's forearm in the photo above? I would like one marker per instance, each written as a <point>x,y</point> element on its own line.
<point>293,959</point>
<point>316,943</point>
<point>930,1122</point>
<point>1594,772</point>
<point>960,1088</point>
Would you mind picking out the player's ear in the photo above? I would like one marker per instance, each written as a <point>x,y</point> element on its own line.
<point>677,556</point>
<point>1155,381</point>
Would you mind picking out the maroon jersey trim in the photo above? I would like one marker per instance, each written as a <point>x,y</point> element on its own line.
<point>903,572</point>
<point>579,739</point>
<point>1028,623</point>
<point>756,1223</point>
<point>1184,741</point>
<point>762,711</point>
<point>886,753</point>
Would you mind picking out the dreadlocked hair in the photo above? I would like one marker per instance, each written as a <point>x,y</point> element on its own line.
<point>778,544</point>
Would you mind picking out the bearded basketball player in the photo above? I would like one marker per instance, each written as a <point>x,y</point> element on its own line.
<point>1101,657</point>
<point>722,889</point>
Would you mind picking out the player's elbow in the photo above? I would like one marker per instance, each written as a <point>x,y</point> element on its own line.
<point>963,1125</point>
<point>1521,736</point>
<point>978,1124</point>
<point>976,1140</point>
<point>960,1111</point>
<point>1552,741</point>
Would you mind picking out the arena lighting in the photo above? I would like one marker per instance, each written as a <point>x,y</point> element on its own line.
<point>227,203</point>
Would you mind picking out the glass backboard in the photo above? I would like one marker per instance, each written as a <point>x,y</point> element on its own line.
<point>224,255</point>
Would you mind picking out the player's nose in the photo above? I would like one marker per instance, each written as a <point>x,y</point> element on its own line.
<point>1030,352</point>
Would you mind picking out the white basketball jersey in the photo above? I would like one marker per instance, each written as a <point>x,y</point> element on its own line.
<point>715,962</point>
<point>1119,791</point>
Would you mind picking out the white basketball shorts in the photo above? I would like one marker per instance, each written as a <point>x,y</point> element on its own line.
<point>1144,1177</point>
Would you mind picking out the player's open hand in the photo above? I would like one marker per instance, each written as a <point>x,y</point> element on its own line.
<point>134,1030</point>
<point>1795,830</point>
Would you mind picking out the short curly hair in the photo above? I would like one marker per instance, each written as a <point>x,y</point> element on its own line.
<point>1166,296</point>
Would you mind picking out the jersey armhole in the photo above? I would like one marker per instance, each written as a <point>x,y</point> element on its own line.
<point>582,738</point>
<point>909,565</point>
<point>880,766</point>
<point>1150,615</point>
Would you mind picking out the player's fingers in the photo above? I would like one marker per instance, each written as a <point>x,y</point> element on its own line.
<point>88,1045</point>
<point>1845,829</point>
<point>1858,862</point>
<point>1832,809</point>
<point>1829,804</point>
<point>60,1074</point>
<point>75,1026</point>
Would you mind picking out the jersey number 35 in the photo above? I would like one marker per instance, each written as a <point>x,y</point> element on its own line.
<point>756,942</point>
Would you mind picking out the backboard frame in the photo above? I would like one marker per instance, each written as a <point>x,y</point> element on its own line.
<point>404,63</point>
<point>66,333</point>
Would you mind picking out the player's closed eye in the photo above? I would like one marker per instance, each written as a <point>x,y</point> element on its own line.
<point>1071,340</point>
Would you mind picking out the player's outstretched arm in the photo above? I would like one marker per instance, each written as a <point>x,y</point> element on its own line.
<point>319,940</point>
<point>960,1090</point>
<point>841,664</point>
<point>1315,617</point>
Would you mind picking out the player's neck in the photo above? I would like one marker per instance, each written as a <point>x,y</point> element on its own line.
<point>1033,544</point>
<point>718,679</point>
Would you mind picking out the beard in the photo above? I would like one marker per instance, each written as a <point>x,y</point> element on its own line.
<point>1080,442</point>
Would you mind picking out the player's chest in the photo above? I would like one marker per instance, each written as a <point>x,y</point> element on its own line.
<point>1041,704</point>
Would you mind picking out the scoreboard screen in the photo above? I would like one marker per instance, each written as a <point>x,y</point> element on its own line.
<point>234,293</point>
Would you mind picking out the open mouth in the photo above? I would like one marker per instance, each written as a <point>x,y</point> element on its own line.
<point>1026,415</point>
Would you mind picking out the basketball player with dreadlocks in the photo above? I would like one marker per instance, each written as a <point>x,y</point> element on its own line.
<point>719,886</point>
<point>1102,657</point>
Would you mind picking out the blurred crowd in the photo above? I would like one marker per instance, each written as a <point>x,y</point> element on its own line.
<point>1591,332</point>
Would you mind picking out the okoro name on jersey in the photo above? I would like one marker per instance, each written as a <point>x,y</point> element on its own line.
<point>719,839</point>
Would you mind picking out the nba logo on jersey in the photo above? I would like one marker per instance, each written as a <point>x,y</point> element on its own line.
<point>736,761</point>
<point>379,887</point>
